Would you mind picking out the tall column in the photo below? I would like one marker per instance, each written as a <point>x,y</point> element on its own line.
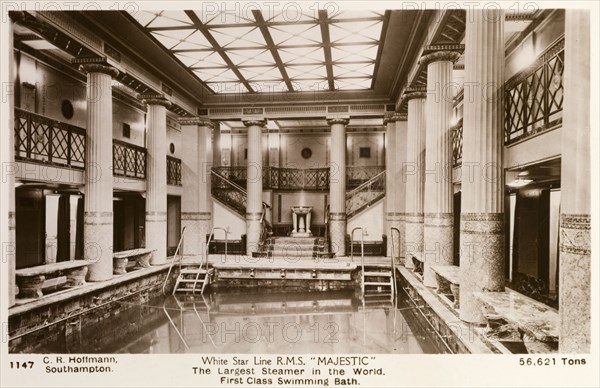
<point>400,154</point>
<point>9,251</point>
<point>98,198</point>
<point>196,209</point>
<point>482,206</point>
<point>391,187</point>
<point>337,186</point>
<point>216,144</point>
<point>575,219</point>
<point>254,183</point>
<point>414,177</point>
<point>438,217</point>
<point>156,177</point>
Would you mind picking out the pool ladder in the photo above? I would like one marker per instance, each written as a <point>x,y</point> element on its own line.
<point>192,274</point>
<point>379,280</point>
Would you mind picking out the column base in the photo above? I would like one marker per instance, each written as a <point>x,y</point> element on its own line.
<point>156,236</point>
<point>575,280</point>
<point>438,238</point>
<point>98,245</point>
<point>253,233</point>
<point>337,236</point>
<point>481,261</point>
<point>413,238</point>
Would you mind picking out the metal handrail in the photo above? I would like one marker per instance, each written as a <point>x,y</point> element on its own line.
<point>229,182</point>
<point>205,257</point>
<point>363,185</point>
<point>166,311</point>
<point>173,260</point>
<point>362,253</point>
<point>392,229</point>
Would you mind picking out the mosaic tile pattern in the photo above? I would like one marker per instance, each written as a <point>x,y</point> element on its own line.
<point>438,239</point>
<point>575,281</point>
<point>481,260</point>
<point>98,244</point>
<point>413,241</point>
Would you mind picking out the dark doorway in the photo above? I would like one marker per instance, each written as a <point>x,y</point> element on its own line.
<point>128,221</point>
<point>173,223</point>
<point>30,227</point>
<point>456,229</point>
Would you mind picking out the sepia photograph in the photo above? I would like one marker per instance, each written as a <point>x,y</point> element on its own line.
<point>299,194</point>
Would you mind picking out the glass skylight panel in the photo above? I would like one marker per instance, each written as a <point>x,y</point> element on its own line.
<point>302,55</point>
<point>295,34</point>
<point>261,73</point>
<point>354,53</point>
<point>354,14</point>
<point>208,74</point>
<point>307,72</point>
<point>170,19</point>
<point>353,70</point>
<point>225,76</point>
<point>251,57</point>
<point>275,86</point>
<point>355,31</point>
<point>243,37</point>
<point>310,85</point>
<point>290,13</point>
<point>352,83</point>
<point>227,16</point>
<point>169,40</point>
<point>194,41</point>
<point>205,58</point>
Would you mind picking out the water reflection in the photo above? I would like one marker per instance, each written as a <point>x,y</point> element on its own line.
<point>252,321</point>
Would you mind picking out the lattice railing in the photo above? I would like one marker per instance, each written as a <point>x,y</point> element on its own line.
<point>357,175</point>
<point>229,193</point>
<point>365,195</point>
<point>457,143</point>
<point>173,171</point>
<point>236,174</point>
<point>129,160</point>
<point>534,97</point>
<point>42,139</point>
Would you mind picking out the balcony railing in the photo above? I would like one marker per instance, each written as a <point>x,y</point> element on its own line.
<point>173,171</point>
<point>298,179</point>
<point>357,175</point>
<point>534,97</point>
<point>41,139</point>
<point>457,143</point>
<point>279,178</point>
<point>129,160</point>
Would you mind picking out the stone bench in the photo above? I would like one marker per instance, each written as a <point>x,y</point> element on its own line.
<point>448,280</point>
<point>534,323</point>
<point>31,280</point>
<point>140,256</point>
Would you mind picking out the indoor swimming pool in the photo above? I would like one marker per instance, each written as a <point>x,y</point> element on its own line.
<point>244,322</point>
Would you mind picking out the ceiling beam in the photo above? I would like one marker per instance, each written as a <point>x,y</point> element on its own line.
<point>204,30</point>
<point>271,45</point>
<point>384,27</point>
<point>326,46</point>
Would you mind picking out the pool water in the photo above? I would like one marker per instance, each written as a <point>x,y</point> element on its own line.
<point>252,321</point>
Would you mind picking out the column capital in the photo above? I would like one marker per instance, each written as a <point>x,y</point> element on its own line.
<point>439,56</point>
<point>400,117</point>
<point>338,120</point>
<point>388,118</point>
<point>413,95</point>
<point>155,99</point>
<point>195,120</point>
<point>261,122</point>
<point>95,65</point>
